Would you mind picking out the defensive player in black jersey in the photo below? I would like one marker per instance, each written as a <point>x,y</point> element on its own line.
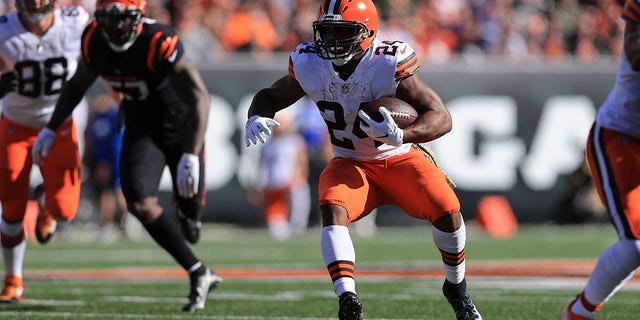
<point>165,105</point>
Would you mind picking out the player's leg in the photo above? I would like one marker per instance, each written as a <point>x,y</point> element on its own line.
<point>449,235</point>
<point>59,199</point>
<point>141,166</point>
<point>439,205</point>
<point>339,257</point>
<point>343,190</point>
<point>188,211</point>
<point>617,187</point>
<point>15,166</point>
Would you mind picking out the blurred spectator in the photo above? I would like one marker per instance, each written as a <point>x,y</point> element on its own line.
<point>302,16</point>
<point>199,43</point>
<point>283,190</point>
<point>518,31</point>
<point>249,28</point>
<point>101,156</point>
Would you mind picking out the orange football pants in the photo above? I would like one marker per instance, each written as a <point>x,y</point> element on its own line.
<point>614,161</point>
<point>60,171</point>
<point>409,181</point>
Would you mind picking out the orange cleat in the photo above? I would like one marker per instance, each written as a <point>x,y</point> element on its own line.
<point>12,292</point>
<point>46,226</point>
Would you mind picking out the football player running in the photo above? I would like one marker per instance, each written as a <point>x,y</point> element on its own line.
<point>613,154</point>
<point>166,106</point>
<point>39,51</point>
<point>376,163</point>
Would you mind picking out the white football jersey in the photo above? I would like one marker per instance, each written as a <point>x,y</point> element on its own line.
<point>377,75</point>
<point>621,109</point>
<point>43,64</point>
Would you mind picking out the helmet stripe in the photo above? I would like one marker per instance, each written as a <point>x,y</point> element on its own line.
<point>327,4</point>
<point>332,7</point>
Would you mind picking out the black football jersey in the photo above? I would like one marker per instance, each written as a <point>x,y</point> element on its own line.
<point>140,73</point>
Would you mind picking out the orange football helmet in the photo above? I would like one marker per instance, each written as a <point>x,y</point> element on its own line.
<point>35,10</point>
<point>344,29</point>
<point>119,21</point>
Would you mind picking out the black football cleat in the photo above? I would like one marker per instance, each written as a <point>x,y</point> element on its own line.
<point>350,307</point>
<point>460,300</point>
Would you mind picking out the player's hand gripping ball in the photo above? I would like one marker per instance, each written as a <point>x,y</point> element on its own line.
<point>401,112</point>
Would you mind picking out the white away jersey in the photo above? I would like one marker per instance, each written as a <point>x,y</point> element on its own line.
<point>621,110</point>
<point>377,75</point>
<point>43,64</point>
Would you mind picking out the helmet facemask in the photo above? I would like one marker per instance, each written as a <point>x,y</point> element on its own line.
<point>32,13</point>
<point>119,27</point>
<point>339,40</point>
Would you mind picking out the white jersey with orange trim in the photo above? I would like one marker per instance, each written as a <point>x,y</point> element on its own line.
<point>377,75</point>
<point>43,64</point>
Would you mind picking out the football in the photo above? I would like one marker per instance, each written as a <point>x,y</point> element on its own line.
<point>401,112</point>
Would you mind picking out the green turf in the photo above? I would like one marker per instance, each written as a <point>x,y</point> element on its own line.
<point>223,247</point>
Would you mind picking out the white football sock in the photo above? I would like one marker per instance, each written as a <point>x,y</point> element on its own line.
<point>615,266</point>
<point>13,257</point>
<point>336,245</point>
<point>452,243</point>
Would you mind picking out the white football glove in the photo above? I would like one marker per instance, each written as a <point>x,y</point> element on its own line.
<point>258,129</point>
<point>386,130</point>
<point>42,145</point>
<point>188,175</point>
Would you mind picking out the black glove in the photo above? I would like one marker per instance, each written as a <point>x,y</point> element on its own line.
<point>8,82</point>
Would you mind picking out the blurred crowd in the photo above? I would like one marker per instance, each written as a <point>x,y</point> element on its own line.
<point>517,31</point>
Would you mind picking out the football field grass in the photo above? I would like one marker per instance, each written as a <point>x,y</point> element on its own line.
<point>399,276</point>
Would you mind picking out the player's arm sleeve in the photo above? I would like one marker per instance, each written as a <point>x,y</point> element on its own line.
<point>407,62</point>
<point>631,11</point>
<point>87,35</point>
<point>165,49</point>
<point>188,84</point>
<point>299,60</point>
<point>72,93</point>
